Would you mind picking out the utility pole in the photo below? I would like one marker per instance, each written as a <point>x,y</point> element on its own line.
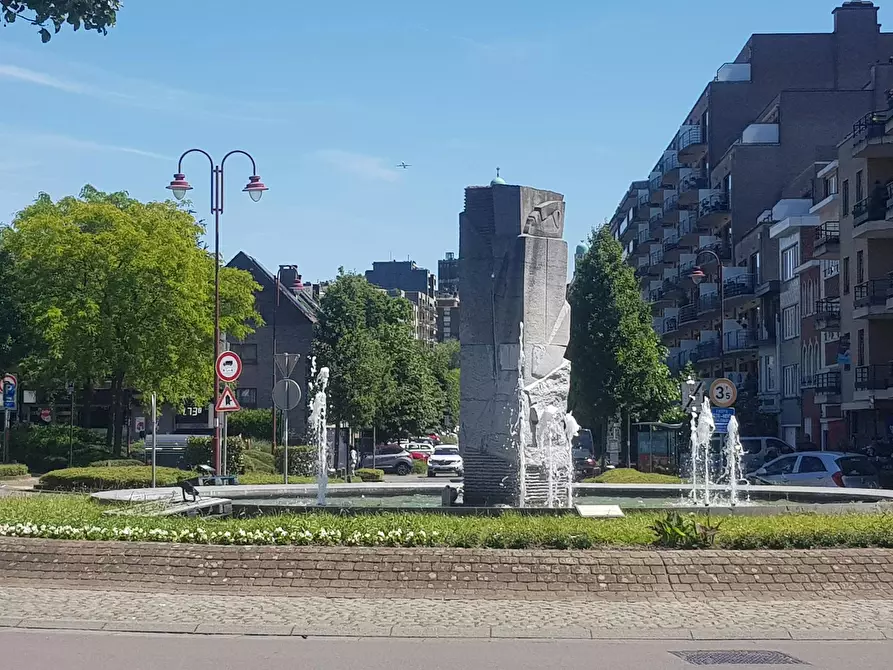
<point>154,434</point>
<point>70,388</point>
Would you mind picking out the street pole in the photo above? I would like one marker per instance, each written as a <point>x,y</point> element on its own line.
<point>71,431</point>
<point>5,435</point>
<point>255,189</point>
<point>154,434</point>
<point>285,443</point>
<point>223,445</point>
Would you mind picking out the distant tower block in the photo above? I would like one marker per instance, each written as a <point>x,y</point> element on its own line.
<point>512,269</point>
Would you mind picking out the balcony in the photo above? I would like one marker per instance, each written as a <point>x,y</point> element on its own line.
<point>874,377</point>
<point>870,216</point>
<point>765,337</point>
<point>738,290</point>
<point>827,241</point>
<point>670,166</point>
<point>656,263</point>
<point>691,144</point>
<point>807,382</point>
<point>741,341</point>
<point>733,72</point>
<point>869,139</point>
<point>690,188</point>
<point>870,299</point>
<point>718,247</point>
<point>688,314</point>
<point>827,383</point>
<point>827,315</point>
<point>714,211</point>
<point>706,352</point>
<point>671,325</point>
<point>655,219</point>
<point>708,304</point>
<point>671,210</point>
<point>658,298</point>
<point>672,286</point>
<point>673,248</point>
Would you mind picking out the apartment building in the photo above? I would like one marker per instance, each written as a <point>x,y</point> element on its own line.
<point>407,280</point>
<point>448,275</point>
<point>447,318</point>
<point>737,169</point>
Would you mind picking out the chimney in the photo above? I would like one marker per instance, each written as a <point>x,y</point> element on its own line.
<point>289,277</point>
<point>856,16</point>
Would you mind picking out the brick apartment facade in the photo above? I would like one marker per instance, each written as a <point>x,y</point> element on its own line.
<point>741,178</point>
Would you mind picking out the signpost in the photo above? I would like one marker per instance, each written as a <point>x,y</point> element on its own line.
<point>723,392</point>
<point>228,368</point>
<point>225,404</point>
<point>721,418</point>
<point>154,434</point>
<point>286,396</point>
<point>9,385</point>
<point>70,388</point>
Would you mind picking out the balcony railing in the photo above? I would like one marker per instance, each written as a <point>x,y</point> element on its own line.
<point>874,377</point>
<point>688,314</point>
<point>807,381</point>
<point>670,162</point>
<point>656,295</point>
<point>720,248</point>
<point>743,284</point>
<point>827,382</point>
<point>694,181</point>
<point>671,325</point>
<point>655,218</point>
<point>655,183</point>
<point>871,292</point>
<point>827,308</point>
<point>656,257</point>
<point>869,126</point>
<point>714,203</point>
<point>741,340</point>
<point>828,233</point>
<point>872,208</point>
<point>671,243</point>
<point>708,303</point>
<point>705,351</point>
<point>688,138</point>
<point>671,204</point>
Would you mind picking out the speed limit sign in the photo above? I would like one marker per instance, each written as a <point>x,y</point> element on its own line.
<point>723,392</point>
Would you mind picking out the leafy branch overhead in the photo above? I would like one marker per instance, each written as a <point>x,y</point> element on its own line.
<point>98,15</point>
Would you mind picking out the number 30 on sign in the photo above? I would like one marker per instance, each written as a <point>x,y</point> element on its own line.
<point>723,392</point>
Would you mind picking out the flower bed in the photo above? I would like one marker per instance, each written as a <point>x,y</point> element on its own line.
<point>78,517</point>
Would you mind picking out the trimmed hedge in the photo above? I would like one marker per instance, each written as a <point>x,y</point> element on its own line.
<point>13,470</point>
<point>254,423</point>
<point>45,448</point>
<point>631,476</point>
<point>103,479</point>
<point>199,451</point>
<point>370,475</point>
<point>301,460</point>
<point>117,463</point>
<point>258,461</point>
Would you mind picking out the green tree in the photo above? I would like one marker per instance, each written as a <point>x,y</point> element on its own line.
<point>618,362</point>
<point>378,374</point>
<point>12,323</point>
<point>444,362</point>
<point>122,291</point>
<point>98,15</point>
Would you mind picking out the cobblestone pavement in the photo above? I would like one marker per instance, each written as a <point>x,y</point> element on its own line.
<point>399,616</point>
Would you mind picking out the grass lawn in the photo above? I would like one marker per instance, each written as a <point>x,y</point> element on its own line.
<point>631,476</point>
<point>78,517</point>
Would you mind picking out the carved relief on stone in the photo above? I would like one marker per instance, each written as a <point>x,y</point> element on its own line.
<point>546,220</point>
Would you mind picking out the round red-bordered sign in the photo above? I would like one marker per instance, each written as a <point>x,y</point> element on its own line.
<point>229,366</point>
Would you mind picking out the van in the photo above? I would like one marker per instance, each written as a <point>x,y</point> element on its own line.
<point>760,450</point>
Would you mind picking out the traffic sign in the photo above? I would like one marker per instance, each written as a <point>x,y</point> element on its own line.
<point>10,387</point>
<point>286,394</point>
<point>286,363</point>
<point>227,401</point>
<point>723,392</point>
<point>228,366</point>
<point>721,418</point>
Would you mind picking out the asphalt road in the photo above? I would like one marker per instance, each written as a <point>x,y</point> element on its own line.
<point>63,650</point>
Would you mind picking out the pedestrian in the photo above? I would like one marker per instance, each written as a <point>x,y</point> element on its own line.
<point>353,460</point>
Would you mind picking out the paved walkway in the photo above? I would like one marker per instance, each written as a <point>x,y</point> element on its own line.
<point>41,607</point>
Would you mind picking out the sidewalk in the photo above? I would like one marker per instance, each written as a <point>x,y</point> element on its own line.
<point>36,606</point>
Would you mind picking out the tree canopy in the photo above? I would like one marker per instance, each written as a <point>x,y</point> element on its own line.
<point>112,289</point>
<point>379,374</point>
<point>618,360</point>
<point>98,15</point>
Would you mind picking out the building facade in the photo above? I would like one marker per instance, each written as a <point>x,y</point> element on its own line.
<point>447,318</point>
<point>735,188</point>
<point>448,275</point>
<point>407,280</point>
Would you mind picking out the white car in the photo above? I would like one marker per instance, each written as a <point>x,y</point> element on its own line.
<point>445,460</point>
<point>420,447</point>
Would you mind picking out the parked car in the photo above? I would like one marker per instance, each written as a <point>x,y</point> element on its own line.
<point>445,459</point>
<point>390,458</point>
<point>585,464</point>
<point>819,468</point>
<point>420,450</point>
<point>757,451</point>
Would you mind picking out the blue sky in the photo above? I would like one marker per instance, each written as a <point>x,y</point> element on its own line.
<point>329,97</point>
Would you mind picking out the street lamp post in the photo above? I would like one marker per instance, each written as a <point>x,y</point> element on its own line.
<point>275,312</point>
<point>697,276</point>
<point>255,189</point>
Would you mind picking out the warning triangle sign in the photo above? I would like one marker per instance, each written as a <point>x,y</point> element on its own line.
<point>227,401</point>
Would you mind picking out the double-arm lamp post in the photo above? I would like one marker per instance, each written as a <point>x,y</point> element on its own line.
<point>255,189</point>
<point>697,276</point>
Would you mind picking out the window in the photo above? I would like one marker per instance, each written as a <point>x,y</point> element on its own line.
<point>783,466</point>
<point>860,267</point>
<point>860,186</point>
<point>845,197</point>
<point>752,446</point>
<point>247,352</point>
<point>767,373</point>
<point>247,397</point>
<point>791,374</point>
<point>811,464</point>
<point>846,275</point>
<point>830,185</point>
<point>727,186</point>
<point>790,259</point>
<point>790,322</point>
<point>779,446</point>
<point>860,348</point>
<point>755,267</point>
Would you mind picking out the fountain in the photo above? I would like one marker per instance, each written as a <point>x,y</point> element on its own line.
<point>318,431</point>
<point>706,489</point>
<point>733,454</point>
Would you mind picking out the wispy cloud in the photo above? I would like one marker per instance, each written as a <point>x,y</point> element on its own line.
<point>78,144</point>
<point>359,165</point>
<point>39,78</point>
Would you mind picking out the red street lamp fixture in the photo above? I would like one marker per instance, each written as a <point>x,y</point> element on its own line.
<point>255,188</point>
<point>179,186</point>
<point>697,275</point>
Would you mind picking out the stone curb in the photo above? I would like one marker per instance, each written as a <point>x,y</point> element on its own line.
<point>443,632</point>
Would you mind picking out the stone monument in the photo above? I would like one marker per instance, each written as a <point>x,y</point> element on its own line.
<point>515,434</point>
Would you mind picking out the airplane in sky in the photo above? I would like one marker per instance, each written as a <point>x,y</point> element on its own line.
<point>403,164</point>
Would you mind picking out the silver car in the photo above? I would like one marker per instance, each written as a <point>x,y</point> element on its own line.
<point>819,468</point>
